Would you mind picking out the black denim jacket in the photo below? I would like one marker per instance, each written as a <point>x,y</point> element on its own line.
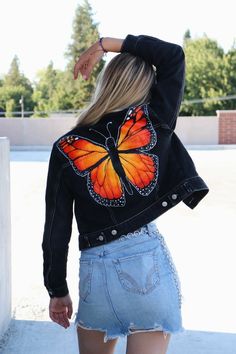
<point>122,172</point>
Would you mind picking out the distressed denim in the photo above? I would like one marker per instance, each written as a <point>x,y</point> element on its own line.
<point>130,284</point>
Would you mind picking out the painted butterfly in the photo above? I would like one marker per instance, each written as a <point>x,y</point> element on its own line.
<point>116,165</point>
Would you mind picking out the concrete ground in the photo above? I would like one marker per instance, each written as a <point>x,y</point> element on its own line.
<point>202,242</point>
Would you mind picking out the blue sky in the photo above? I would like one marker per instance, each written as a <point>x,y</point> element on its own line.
<point>39,31</point>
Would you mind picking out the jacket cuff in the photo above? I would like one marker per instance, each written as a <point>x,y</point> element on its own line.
<point>58,292</point>
<point>129,44</point>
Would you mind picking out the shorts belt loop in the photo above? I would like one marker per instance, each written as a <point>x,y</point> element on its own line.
<point>87,240</point>
<point>149,228</point>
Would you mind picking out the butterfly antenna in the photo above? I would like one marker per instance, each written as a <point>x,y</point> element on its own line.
<point>97,132</point>
<point>108,128</point>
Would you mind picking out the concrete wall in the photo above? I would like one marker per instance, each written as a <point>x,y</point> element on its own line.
<point>35,131</point>
<point>5,236</point>
<point>44,131</point>
<point>198,130</point>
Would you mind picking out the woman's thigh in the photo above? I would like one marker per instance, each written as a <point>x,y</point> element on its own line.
<point>92,342</point>
<point>153,342</point>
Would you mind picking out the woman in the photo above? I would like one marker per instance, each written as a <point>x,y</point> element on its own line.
<point>123,166</point>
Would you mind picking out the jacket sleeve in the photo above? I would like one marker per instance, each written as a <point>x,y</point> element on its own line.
<point>169,62</point>
<point>57,227</point>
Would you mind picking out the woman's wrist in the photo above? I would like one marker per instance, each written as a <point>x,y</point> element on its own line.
<point>112,44</point>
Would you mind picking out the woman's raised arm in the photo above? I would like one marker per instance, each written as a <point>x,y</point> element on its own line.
<point>169,61</point>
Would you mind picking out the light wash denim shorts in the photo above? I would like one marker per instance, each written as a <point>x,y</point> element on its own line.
<point>129,284</point>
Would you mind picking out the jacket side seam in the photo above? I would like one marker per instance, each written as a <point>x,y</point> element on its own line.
<point>111,214</point>
<point>52,220</point>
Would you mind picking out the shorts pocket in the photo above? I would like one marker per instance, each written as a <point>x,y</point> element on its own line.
<point>138,273</point>
<point>85,278</point>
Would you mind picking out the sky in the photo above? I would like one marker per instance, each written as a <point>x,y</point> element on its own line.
<point>40,31</point>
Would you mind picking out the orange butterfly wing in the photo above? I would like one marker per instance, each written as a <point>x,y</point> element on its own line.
<point>81,153</point>
<point>92,159</point>
<point>105,185</point>
<point>136,130</point>
<point>136,136</point>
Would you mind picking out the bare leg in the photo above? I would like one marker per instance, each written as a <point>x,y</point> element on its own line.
<point>147,343</point>
<point>91,342</point>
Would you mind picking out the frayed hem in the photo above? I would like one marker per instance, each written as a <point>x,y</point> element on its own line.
<point>106,336</point>
<point>131,330</point>
<point>158,328</point>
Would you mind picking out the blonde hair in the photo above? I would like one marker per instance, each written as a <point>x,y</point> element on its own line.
<point>126,80</point>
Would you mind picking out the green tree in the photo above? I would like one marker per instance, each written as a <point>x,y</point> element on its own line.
<point>2,103</point>
<point>230,77</point>
<point>45,92</point>
<point>187,35</point>
<point>51,91</point>
<point>14,85</point>
<point>85,33</point>
<point>10,105</point>
<point>206,76</point>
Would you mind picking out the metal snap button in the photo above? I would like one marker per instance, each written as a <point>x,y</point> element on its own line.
<point>114,232</point>
<point>174,196</point>
<point>164,204</point>
<point>100,237</point>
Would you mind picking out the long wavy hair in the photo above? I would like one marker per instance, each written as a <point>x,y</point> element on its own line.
<point>125,81</point>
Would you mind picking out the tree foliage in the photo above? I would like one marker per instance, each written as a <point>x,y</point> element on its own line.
<point>209,74</point>
<point>14,85</point>
<point>187,35</point>
<point>45,93</point>
<point>57,90</point>
<point>85,33</point>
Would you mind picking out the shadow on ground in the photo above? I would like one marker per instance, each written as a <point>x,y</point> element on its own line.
<point>40,337</point>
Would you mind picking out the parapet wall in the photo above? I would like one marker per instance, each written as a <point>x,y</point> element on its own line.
<point>205,130</point>
<point>5,236</point>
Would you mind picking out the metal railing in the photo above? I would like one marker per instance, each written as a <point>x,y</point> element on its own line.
<point>28,114</point>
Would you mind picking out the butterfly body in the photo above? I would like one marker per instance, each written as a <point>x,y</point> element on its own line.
<point>114,155</point>
<point>116,165</point>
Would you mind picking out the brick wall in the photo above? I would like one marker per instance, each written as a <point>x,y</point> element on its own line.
<point>227,127</point>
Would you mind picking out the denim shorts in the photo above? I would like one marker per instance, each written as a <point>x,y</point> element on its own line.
<point>129,284</point>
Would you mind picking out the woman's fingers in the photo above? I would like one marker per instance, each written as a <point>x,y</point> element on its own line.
<point>81,64</point>
<point>77,69</point>
<point>60,318</point>
<point>63,320</point>
<point>80,67</point>
<point>60,310</point>
<point>86,63</point>
<point>70,310</point>
<point>53,316</point>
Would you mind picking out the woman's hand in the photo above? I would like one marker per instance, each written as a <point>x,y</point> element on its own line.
<point>87,60</point>
<point>60,310</point>
<point>90,57</point>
